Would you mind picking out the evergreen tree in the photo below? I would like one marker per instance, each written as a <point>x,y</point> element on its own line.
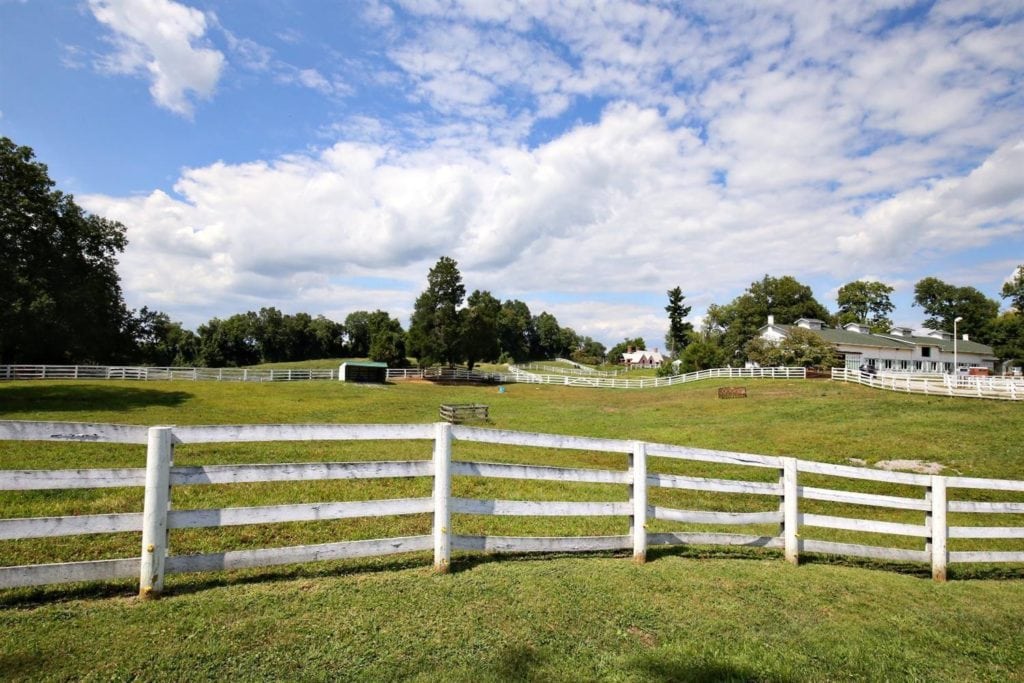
<point>436,327</point>
<point>678,329</point>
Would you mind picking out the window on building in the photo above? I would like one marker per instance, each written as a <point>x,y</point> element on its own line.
<point>926,352</point>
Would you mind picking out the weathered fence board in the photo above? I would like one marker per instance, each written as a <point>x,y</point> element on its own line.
<point>68,572</point>
<point>721,457</point>
<point>72,431</point>
<point>707,538</point>
<point>539,472</point>
<point>870,551</point>
<point>675,481</point>
<point>40,480</point>
<point>541,544</point>
<point>992,508</point>
<point>986,532</point>
<point>510,438</point>
<point>704,517</point>
<point>534,508</point>
<point>269,557</point>
<point>986,556</point>
<point>857,498</point>
<point>237,474</point>
<point>308,432</point>
<point>49,527</point>
<point>990,484</point>
<point>301,512</point>
<point>870,525</point>
<point>811,467</point>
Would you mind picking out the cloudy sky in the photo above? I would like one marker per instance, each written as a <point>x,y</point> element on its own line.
<point>320,156</point>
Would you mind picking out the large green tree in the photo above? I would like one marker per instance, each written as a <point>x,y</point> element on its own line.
<point>943,303</point>
<point>160,341</point>
<point>799,348</point>
<point>436,327</point>
<point>784,297</point>
<point>867,303</point>
<point>1014,289</point>
<point>678,329</point>
<point>516,333</point>
<point>480,328</point>
<point>60,297</point>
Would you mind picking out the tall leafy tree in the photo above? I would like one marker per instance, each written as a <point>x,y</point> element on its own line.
<point>1008,337</point>
<point>480,328</point>
<point>784,297</point>
<point>800,348</point>
<point>60,297</point>
<point>678,329</point>
<point>589,352</point>
<point>161,342</point>
<point>1014,289</point>
<point>943,303</point>
<point>516,333</point>
<point>436,327</point>
<point>867,303</point>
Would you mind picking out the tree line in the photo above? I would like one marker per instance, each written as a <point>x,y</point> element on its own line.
<point>61,302</point>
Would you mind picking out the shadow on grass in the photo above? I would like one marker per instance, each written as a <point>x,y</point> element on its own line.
<point>657,669</point>
<point>84,397</point>
<point>180,585</point>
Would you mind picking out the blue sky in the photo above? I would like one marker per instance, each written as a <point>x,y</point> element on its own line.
<point>585,158</point>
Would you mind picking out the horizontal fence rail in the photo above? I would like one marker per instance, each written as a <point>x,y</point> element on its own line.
<point>793,526</point>
<point>514,376</point>
<point>965,386</point>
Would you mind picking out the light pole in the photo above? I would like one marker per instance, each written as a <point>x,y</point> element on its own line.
<point>956,367</point>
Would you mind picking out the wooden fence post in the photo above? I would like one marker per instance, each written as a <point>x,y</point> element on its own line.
<point>442,496</point>
<point>940,528</point>
<point>159,457</point>
<point>790,510</point>
<point>638,495</point>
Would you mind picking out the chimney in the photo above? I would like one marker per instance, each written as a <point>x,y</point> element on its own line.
<point>966,338</point>
<point>771,319</point>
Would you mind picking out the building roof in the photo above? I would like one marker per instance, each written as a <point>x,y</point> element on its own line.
<point>947,344</point>
<point>830,334</point>
<point>882,341</point>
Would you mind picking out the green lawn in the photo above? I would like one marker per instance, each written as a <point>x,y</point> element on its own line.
<point>688,614</point>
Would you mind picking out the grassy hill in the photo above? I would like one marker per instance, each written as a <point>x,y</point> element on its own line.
<point>689,614</point>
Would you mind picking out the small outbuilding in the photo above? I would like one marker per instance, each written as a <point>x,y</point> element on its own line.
<point>363,371</point>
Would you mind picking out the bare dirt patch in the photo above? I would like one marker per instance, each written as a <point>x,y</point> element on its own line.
<point>910,466</point>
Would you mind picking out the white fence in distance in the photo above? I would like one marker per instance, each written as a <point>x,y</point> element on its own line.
<point>160,475</point>
<point>964,386</point>
<point>27,372</point>
<point>516,375</point>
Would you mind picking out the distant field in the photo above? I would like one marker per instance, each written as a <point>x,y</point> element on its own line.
<point>697,614</point>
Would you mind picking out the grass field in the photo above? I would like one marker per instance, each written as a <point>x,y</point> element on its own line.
<point>688,614</point>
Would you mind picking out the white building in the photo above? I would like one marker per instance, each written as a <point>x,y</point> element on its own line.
<point>642,359</point>
<point>898,351</point>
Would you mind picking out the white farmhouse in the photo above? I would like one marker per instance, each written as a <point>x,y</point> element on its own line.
<point>898,351</point>
<point>642,359</point>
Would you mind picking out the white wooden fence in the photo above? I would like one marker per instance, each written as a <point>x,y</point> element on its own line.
<point>160,475</point>
<point>516,375</point>
<point>967,386</point>
<point>20,372</point>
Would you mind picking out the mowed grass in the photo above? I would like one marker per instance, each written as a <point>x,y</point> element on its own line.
<point>688,614</point>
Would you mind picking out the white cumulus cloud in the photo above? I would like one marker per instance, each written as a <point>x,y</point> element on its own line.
<point>161,40</point>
